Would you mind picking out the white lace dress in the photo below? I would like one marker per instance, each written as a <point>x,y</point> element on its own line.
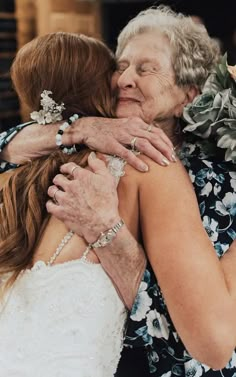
<point>65,320</point>
<point>61,321</point>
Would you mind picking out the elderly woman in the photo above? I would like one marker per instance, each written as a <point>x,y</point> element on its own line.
<point>163,61</point>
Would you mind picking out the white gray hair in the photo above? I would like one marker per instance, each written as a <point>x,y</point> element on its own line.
<point>194,53</point>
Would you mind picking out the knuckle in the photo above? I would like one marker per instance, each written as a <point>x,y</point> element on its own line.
<point>126,153</point>
<point>142,143</point>
<point>113,145</point>
<point>117,149</point>
<point>164,148</point>
<point>56,178</point>
<point>158,143</point>
<point>50,190</point>
<point>49,206</point>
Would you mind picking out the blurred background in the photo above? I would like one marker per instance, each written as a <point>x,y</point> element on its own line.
<point>22,20</point>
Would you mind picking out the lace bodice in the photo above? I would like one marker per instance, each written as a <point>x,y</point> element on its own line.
<point>61,321</point>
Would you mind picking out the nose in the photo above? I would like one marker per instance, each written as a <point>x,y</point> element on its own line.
<point>127,78</point>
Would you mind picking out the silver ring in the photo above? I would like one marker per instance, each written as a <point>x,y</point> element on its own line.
<point>149,129</point>
<point>73,169</point>
<point>54,197</point>
<point>132,143</point>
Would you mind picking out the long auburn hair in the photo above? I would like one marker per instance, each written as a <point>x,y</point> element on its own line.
<point>77,69</point>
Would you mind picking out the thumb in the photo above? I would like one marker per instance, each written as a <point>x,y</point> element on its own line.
<point>96,165</point>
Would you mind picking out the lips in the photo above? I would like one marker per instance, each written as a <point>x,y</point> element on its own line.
<point>127,99</point>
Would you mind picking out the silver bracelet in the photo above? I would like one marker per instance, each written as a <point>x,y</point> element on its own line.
<point>106,237</point>
<point>60,132</point>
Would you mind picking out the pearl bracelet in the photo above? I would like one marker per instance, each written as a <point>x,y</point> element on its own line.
<point>60,132</point>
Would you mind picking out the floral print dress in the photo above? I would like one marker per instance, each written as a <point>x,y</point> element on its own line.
<point>5,138</point>
<point>149,324</point>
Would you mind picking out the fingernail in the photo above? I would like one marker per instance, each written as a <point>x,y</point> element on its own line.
<point>144,167</point>
<point>173,157</point>
<point>165,162</point>
<point>93,155</point>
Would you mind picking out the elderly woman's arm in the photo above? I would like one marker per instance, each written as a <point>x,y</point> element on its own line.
<point>109,136</point>
<point>89,206</point>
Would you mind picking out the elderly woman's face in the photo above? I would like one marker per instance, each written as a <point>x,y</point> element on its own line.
<point>146,81</point>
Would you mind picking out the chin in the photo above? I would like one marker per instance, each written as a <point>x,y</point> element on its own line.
<point>124,111</point>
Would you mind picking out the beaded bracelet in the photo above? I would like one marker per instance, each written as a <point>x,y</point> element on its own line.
<point>60,132</point>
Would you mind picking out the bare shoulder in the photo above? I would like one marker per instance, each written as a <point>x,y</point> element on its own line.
<point>175,173</point>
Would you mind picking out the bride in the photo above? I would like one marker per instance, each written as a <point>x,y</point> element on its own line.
<point>61,314</point>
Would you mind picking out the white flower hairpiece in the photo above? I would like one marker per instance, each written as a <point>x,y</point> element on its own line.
<point>51,111</point>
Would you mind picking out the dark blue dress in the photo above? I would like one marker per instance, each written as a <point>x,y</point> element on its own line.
<point>150,328</point>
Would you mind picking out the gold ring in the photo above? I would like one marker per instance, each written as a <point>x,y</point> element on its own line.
<point>54,197</point>
<point>73,169</point>
<point>132,143</point>
<point>149,129</point>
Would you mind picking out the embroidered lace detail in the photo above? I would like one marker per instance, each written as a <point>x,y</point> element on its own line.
<point>65,320</point>
<point>116,167</point>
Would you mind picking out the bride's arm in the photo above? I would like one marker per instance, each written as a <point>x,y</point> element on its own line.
<point>228,264</point>
<point>194,283</point>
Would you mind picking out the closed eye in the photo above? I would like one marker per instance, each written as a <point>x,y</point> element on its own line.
<point>121,67</point>
<point>147,67</point>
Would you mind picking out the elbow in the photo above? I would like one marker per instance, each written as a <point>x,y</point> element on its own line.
<point>215,350</point>
<point>217,361</point>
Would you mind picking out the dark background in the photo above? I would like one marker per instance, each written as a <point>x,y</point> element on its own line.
<point>219,17</point>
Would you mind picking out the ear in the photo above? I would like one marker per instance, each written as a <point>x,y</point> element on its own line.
<point>190,93</point>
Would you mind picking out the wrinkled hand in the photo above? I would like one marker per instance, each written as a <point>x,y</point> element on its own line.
<point>112,136</point>
<point>105,135</point>
<point>87,204</point>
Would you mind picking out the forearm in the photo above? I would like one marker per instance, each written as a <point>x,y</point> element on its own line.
<point>40,140</point>
<point>124,261</point>
<point>31,142</point>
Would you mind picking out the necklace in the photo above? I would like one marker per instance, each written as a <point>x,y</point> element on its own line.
<point>62,244</point>
<point>59,248</point>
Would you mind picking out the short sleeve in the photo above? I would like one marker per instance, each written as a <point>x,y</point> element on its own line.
<point>5,138</point>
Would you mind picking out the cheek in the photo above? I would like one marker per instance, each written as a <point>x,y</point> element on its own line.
<point>114,80</point>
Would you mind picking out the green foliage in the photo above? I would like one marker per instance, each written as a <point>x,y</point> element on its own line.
<point>212,114</point>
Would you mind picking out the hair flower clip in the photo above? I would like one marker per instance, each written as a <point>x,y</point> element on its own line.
<point>51,111</point>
